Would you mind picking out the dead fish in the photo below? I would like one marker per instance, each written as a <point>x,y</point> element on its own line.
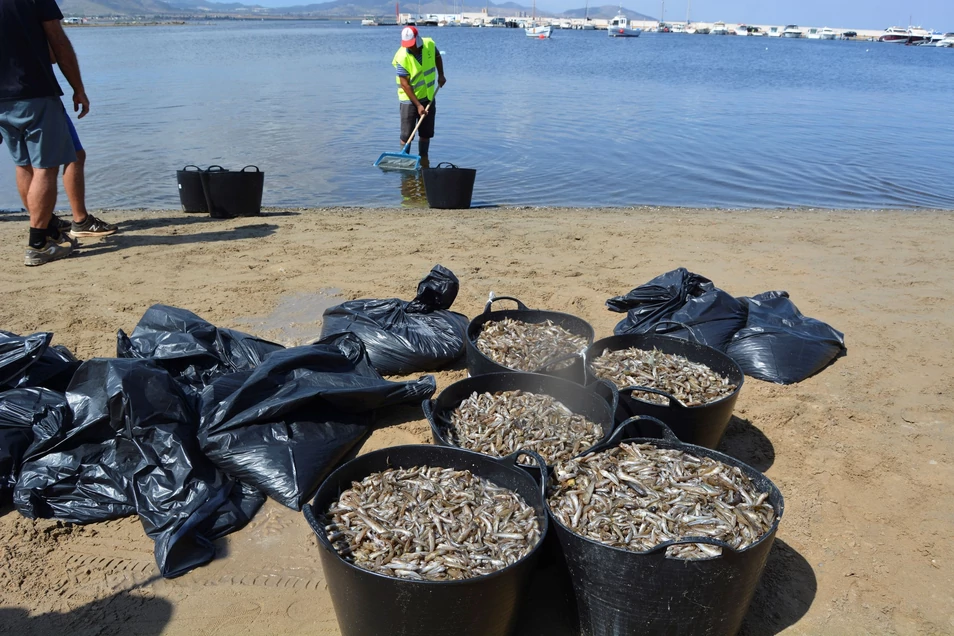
<point>525,346</point>
<point>637,496</point>
<point>501,423</point>
<point>691,383</point>
<point>429,523</point>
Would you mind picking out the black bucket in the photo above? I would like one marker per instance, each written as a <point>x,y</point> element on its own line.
<point>191,195</point>
<point>596,402</point>
<point>479,364</point>
<point>448,187</point>
<point>703,425</point>
<point>371,604</point>
<point>623,592</point>
<point>232,193</point>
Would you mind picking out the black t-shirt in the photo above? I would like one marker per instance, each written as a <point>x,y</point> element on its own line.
<point>25,69</point>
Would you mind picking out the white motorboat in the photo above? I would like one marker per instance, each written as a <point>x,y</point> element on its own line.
<point>774,32</point>
<point>679,27</point>
<point>827,33</point>
<point>742,30</point>
<point>911,35</point>
<point>534,29</point>
<point>814,33</point>
<point>619,27</point>
<point>946,42</point>
<point>792,31</point>
<point>719,28</point>
<point>369,21</point>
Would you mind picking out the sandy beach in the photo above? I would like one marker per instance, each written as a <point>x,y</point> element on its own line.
<point>862,451</point>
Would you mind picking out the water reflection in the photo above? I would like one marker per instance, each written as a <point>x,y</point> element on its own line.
<point>412,187</point>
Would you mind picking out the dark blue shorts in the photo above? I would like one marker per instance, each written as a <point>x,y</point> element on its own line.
<point>77,146</point>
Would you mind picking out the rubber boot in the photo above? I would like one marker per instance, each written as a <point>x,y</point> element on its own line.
<point>422,146</point>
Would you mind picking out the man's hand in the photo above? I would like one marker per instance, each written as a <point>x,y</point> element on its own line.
<point>420,109</point>
<point>80,100</point>
<point>441,80</point>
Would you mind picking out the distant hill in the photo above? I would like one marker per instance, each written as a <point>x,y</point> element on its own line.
<point>606,12</point>
<point>331,9</point>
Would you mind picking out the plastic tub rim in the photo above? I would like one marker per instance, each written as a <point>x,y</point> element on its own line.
<point>674,402</point>
<point>487,317</point>
<point>708,540</point>
<point>323,539</point>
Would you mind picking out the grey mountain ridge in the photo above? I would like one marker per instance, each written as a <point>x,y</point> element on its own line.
<point>333,9</point>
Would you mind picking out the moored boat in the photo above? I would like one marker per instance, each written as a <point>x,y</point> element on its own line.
<point>827,33</point>
<point>619,27</point>
<point>898,35</point>
<point>792,31</point>
<point>719,28</point>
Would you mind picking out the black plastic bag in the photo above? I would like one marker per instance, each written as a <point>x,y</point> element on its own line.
<point>30,361</point>
<point>283,426</point>
<point>21,411</point>
<point>779,344</point>
<point>193,350</point>
<point>131,447</point>
<point>677,298</point>
<point>404,337</point>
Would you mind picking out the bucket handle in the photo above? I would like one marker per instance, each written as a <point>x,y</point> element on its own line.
<point>628,430</point>
<point>688,328</point>
<point>608,391</point>
<point>673,402</point>
<point>185,168</point>
<point>547,364</point>
<point>493,299</point>
<point>511,461</point>
<point>247,167</point>
<point>428,407</point>
<point>727,550</point>
<point>446,163</point>
<point>216,168</point>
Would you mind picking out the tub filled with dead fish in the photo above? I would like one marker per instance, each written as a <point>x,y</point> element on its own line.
<point>528,340</point>
<point>662,536</point>
<point>500,413</point>
<point>690,386</point>
<point>428,540</point>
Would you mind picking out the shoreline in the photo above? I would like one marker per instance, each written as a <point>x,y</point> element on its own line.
<point>855,552</point>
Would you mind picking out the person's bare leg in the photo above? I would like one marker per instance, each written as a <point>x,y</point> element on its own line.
<point>41,197</point>
<point>74,182</point>
<point>24,177</point>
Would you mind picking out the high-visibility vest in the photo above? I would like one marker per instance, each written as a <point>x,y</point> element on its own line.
<point>423,75</point>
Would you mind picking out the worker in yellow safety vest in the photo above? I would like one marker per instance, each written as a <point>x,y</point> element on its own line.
<point>420,71</point>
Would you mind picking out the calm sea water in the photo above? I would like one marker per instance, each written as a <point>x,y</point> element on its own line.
<point>582,119</point>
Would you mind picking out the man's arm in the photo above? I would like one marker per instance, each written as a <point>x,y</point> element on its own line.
<point>440,69</point>
<point>406,85</point>
<point>66,57</point>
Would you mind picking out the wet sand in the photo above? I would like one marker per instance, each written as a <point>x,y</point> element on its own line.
<point>862,451</point>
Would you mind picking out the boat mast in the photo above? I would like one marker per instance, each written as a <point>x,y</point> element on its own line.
<point>688,4</point>
<point>662,12</point>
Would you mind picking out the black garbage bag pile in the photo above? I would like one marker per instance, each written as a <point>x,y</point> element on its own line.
<point>24,415</point>
<point>765,334</point>
<point>193,350</point>
<point>402,336</point>
<point>126,444</point>
<point>31,361</point>
<point>283,426</point>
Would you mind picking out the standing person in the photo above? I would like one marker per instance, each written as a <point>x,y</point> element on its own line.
<point>33,122</point>
<point>74,182</point>
<point>417,62</point>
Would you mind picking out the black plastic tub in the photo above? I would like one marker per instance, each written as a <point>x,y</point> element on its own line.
<point>623,592</point>
<point>191,195</point>
<point>448,187</point>
<point>479,364</point>
<point>233,193</point>
<point>597,402</point>
<point>371,604</point>
<point>703,425</point>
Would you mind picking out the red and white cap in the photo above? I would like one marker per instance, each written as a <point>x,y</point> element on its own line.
<point>410,37</point>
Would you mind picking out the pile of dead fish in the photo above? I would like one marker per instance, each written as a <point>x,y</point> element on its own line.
<point>636,496</point>
<point>692,383</point>
<point>434,524</point>
<point>501,423</point>
<point>525,346</point>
